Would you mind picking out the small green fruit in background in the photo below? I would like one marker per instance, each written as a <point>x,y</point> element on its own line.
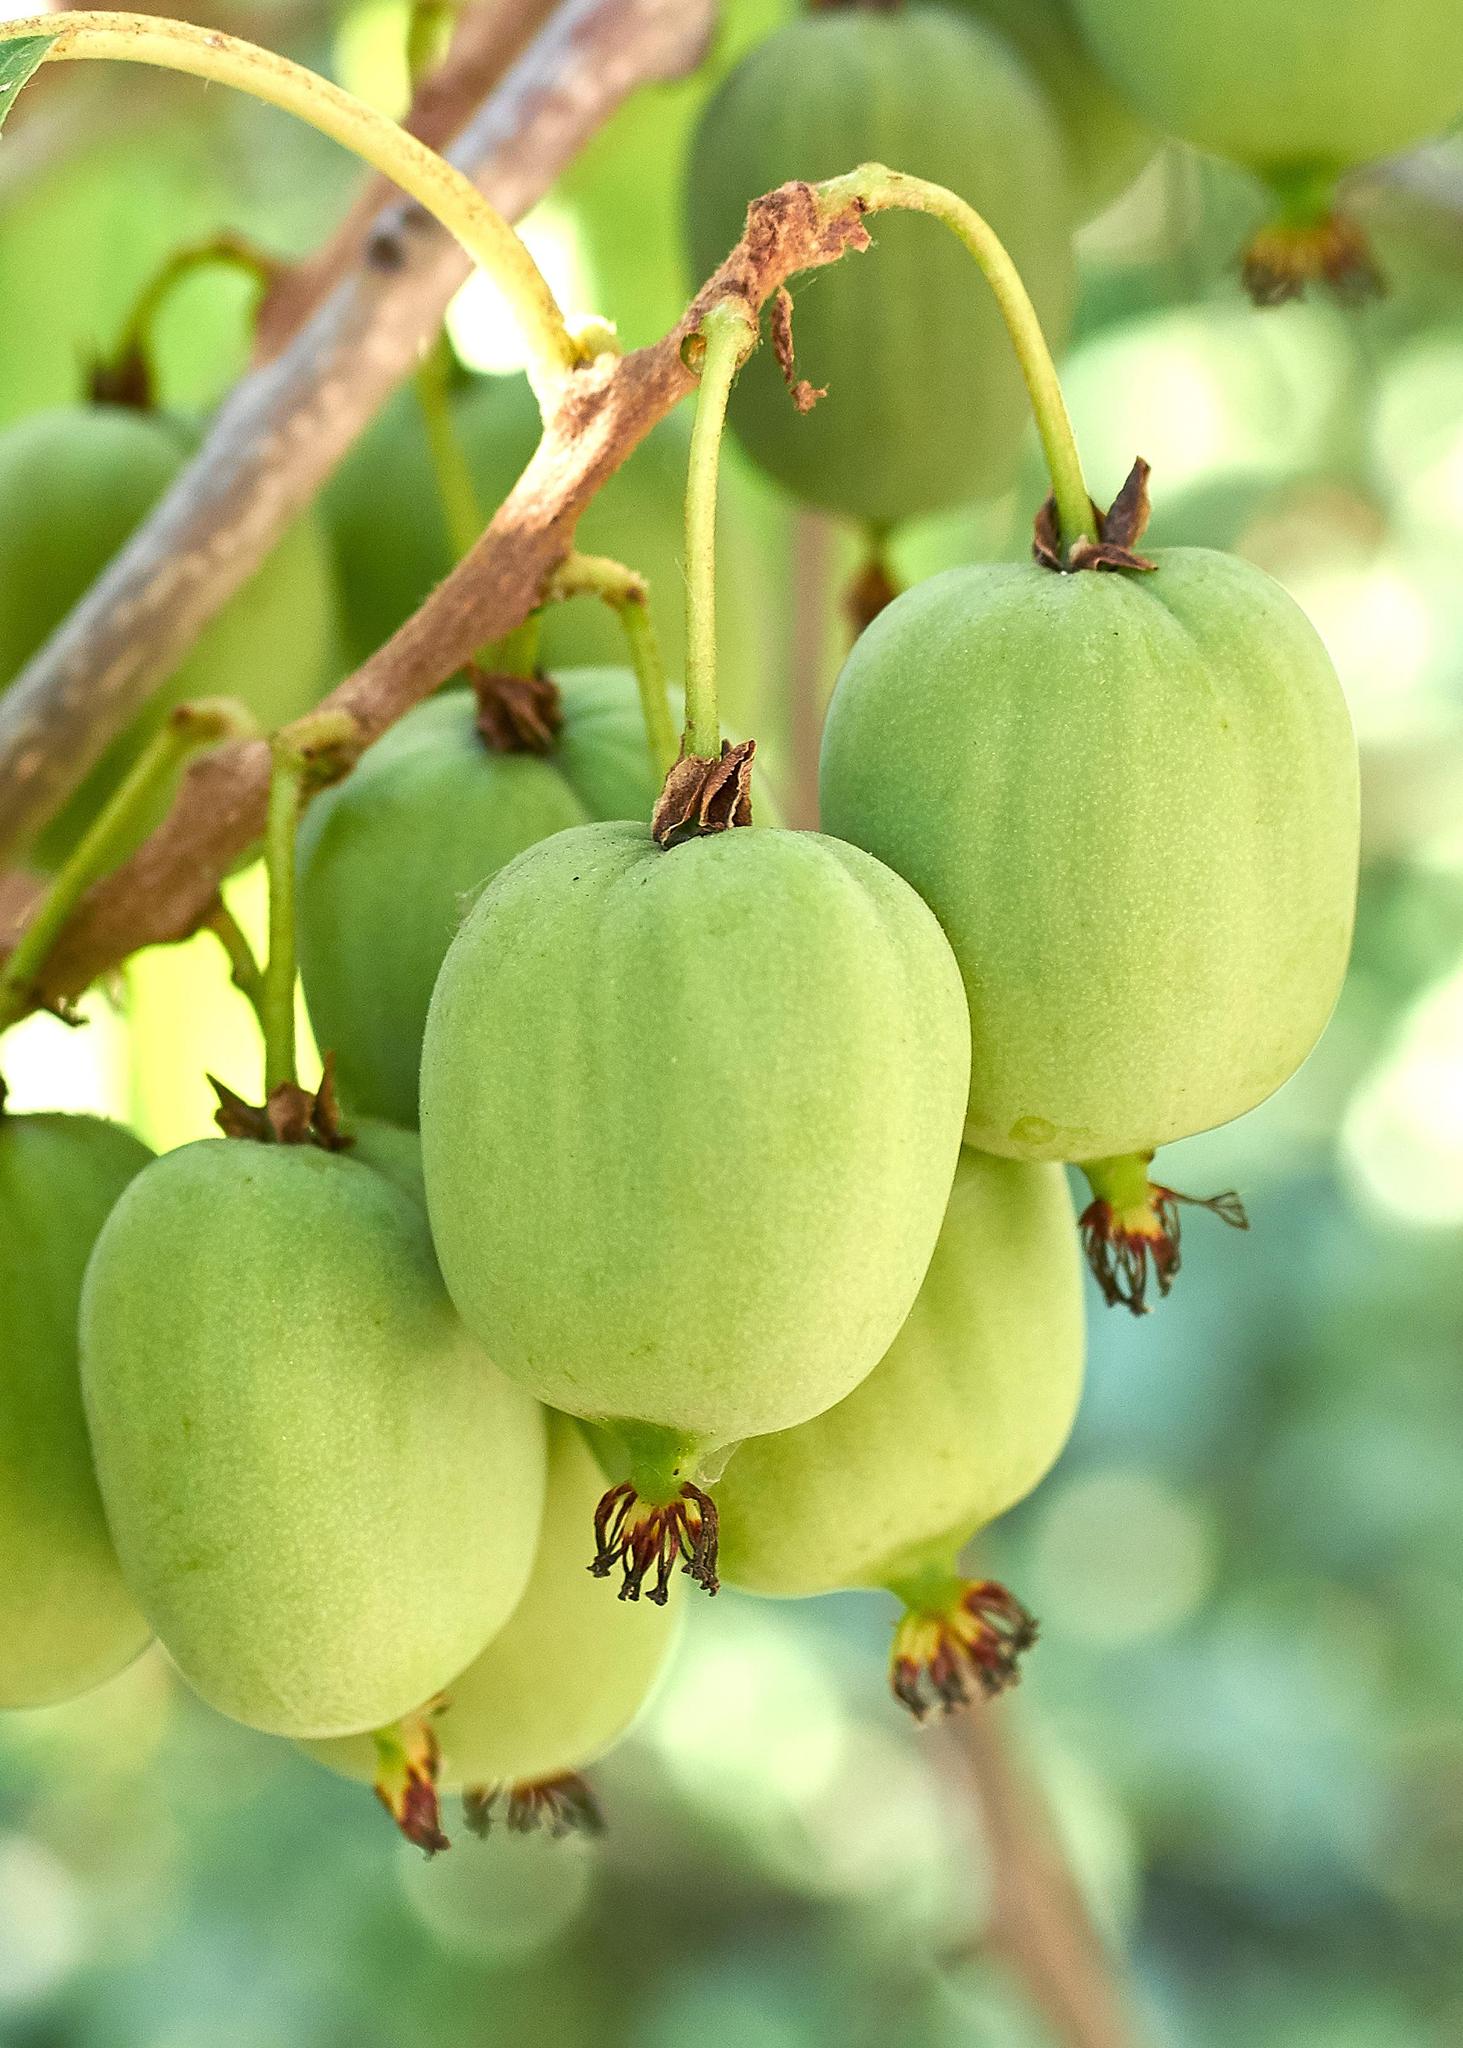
<point>1298,93</point>
<point>74,482</point>
<point>1106,143</point>
<point>925,405</point>
<point>1131,801</point>
<point>966,1411</point>
<point>67,1621</point>
<point>554,1690</point>
<point>689,1120</point>
<point>323,1496</point>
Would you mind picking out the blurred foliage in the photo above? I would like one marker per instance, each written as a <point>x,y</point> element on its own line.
<point>1247,1705</point>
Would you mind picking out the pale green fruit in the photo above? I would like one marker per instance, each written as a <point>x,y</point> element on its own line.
<point>689,1121</point>
<point>67,1621</point>
<point>565,1676</point>
<point>969,1407</point>
<point>74,483</point>
<point>324,1498</point>
<point>1131,801</point>
<point>925,406</point>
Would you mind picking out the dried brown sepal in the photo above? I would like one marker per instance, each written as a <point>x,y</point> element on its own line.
<point>1119,530</point>
<point>702,796</point>
<point>1123,1245</point>
<point>291,1115</point>
<point>1285,260</point>
<point>517,714</point>
<point>408,1761</point>
<point>779,320</point>
<point>869,592</point>
<point>123,379</point>
<point>972,1649</point>
<point>557,1807</point>
<point>640,1537</point>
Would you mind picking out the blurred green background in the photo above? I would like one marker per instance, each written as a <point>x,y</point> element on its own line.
<point>1246,1711</point>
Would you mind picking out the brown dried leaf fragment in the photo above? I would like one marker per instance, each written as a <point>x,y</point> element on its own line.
<point>803,394</point>
<point>1283,261</point>
<point>517,714</point>
<point>559,1806</point>
<point>124,379</point>
<point>290,1116</point>
<point>702,796</point>
<point>1119,529</point>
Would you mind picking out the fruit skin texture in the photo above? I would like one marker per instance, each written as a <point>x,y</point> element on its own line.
<point>1107,145</point>
<point>966,1411</point>
<point>925,405</point>
<point>74,482</point>
<point>566,1675</point>
<point>1311,86</point>
<point>689,1121</point>
<point>324,1498</point>
<point>425,819</point>
<point>1131,801</point>
<point>67,1621</point>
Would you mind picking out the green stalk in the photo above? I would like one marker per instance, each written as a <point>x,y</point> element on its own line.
<point>628,595</point>
<point>223,251</point>
<point>875,189</point>
<point>277,989</point>
<point>727,334</point>
<point>456,491</point>
<point>110,837</point>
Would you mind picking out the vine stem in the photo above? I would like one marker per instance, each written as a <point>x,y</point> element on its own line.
<point>628,594</point>
<point>109,837</point>
<point>435,184</point>
<point>726,335</point>
<point>877,189</point>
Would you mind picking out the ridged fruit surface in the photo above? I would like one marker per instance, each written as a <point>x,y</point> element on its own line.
<point>1106,143</point>
<point>689,1121</point>
<point>1131,801</point>
<point>1313,85</point>
<point>925,405</point>
<point>67,1621</point>
<point>565,1676</point>
<point>966,1411</point>
<point>74,482</point>
<point>324,1498</point>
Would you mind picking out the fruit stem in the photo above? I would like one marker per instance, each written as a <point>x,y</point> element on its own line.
<point>244,969</point>
<point>429,28</point>
<point>628,595</point>
<point>456,492</point>
<point>726,337</point>
<point>110,837</point>
<point>277,990</point>
<point>875,188</point>
<point>132,360</point>
<point>435,184</point>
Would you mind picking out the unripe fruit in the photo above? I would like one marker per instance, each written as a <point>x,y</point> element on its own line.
<point>925,405</point>
<point>1131,800</point>
<point>689,1120</point>
<point>1299,93</point>
<point>427,817</point>
<point>556,1687</point>
<point>1106,144</point>
<point>967,1410</point>
<point>324,1498</point>
<point>74,483</point>
<point>67,1621</point>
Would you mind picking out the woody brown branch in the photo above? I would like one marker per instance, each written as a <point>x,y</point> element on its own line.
<point>283,429</point>
<point>167,888</point>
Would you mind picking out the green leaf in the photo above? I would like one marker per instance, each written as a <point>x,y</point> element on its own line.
<point>19,57</point>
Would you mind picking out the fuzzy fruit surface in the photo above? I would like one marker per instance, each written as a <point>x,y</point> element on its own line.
<point>74,482</point>
<point>689,1121</point>
<point>966,1411</point>
<point>565,1676</point>
<point>1311,85</point>
<point>323,1496</point>
<point>67,1621</point>
<point>1106,144</point>
<point>925,405</point>
<point>1131,801</point>
<point>391,859</point>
